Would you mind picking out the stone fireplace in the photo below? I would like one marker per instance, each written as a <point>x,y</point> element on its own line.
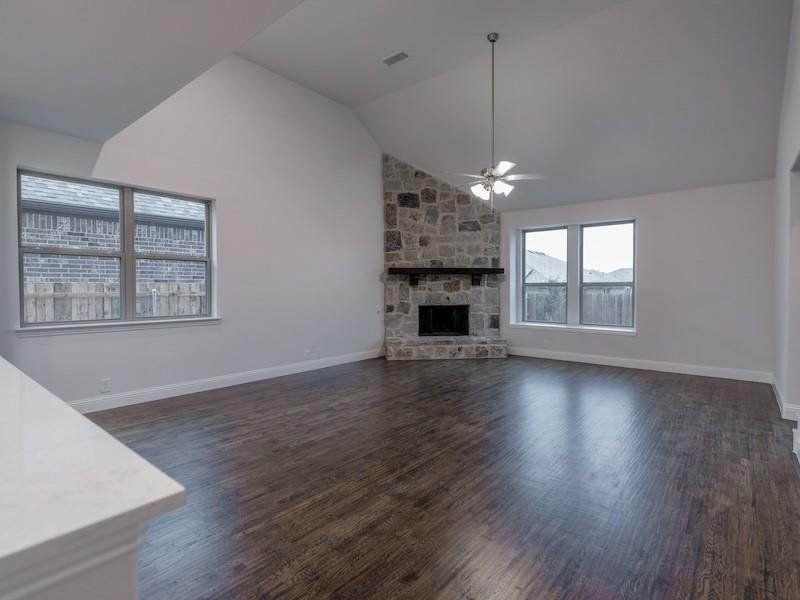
<point>429,224</point>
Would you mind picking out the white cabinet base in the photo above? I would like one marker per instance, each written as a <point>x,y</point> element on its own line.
<point>103,568</point>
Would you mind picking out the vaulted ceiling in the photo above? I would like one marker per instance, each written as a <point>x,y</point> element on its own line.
<point>608,98</point>
<point>337,46</point>
<point>91,67</point>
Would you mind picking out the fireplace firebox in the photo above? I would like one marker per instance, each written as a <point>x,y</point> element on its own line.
<point>447,319</point>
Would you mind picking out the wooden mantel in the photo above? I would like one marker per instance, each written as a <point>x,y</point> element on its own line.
<point>414,273</point>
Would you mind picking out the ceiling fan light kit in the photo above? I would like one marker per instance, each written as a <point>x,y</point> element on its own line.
<point>494,179</point>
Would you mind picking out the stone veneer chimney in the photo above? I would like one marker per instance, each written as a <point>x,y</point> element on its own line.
<point>428,223</point>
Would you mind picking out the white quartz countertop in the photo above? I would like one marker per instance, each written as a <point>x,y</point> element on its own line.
<point>63,480</point>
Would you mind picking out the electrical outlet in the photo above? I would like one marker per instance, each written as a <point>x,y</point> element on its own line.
<point>105,386</point>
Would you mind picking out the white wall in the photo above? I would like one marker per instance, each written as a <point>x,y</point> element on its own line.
<point>35,148</point>
<point>297,180</point>
<point>787,234</point>
<point>7,248</point>
<point>704,282</point>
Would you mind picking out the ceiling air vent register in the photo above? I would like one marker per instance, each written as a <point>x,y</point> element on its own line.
<point>395,58</point>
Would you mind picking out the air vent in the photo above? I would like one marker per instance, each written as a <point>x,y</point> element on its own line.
<point>395,58</point>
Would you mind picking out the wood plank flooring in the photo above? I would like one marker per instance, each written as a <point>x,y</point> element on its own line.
<point>516,478</point>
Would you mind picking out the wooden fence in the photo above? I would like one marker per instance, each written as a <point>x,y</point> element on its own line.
<point>63,302</point>
<point>608,305</point>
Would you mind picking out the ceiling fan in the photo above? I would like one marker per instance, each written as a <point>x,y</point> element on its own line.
<point>495,179</point>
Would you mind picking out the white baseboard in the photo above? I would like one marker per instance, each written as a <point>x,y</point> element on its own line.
<point>788,411</point>
<point>106,401</point>
<point>160,392</point>
<point>649,365</point>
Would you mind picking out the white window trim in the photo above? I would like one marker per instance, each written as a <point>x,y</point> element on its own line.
<point>106,326</point>
<point>574,261</point>
<point>629,331</point>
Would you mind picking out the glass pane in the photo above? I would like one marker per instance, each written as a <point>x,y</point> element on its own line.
<point>170,288</point>
<point>64,214</point>
<point>608,253</point>
<point>167,225</point>
<point>607,305</point>
<point>545,303</point>
<point>546,256</point>
<point>60,288</point>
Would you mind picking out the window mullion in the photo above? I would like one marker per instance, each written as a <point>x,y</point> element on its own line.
<point>166,256</point>
<point>573,274</point>
<point>520,312</point>
<point>128,256</point>
<point>65,251</point>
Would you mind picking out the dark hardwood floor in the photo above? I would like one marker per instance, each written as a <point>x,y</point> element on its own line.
<point>516,478</point>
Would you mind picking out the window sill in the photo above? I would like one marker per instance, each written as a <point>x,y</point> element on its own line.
<point>68,329</point>
<point>629,331</point>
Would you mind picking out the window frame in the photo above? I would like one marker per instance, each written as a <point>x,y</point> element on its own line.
<point>524,285</point>
<point>126,254</point>
<point>582,283</point>
<point>575,283</point>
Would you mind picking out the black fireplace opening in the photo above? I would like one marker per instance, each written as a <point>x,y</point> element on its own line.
<point>447,319</point>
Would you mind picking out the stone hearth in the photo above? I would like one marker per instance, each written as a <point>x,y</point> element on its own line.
<point>426,348</point>
<point>430,224</point>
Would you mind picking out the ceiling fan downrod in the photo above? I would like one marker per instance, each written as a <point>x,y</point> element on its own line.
<point>496,177</point>
<point>493,37</point>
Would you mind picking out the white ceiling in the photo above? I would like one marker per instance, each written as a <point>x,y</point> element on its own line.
<point>91,67</point>
<point>608,98</point>
<point>337,46</point>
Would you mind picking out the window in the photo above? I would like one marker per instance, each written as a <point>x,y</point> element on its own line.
<point>94,252</point>
<point>171,251</point>
<point>607,275</point>
<point>578,275</point>
<point>544,296</point>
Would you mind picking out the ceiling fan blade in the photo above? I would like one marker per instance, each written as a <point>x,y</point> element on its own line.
<point>503,167</point>
<point>501,187</point>
<point>524,177</point>
<point>468,175</point>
